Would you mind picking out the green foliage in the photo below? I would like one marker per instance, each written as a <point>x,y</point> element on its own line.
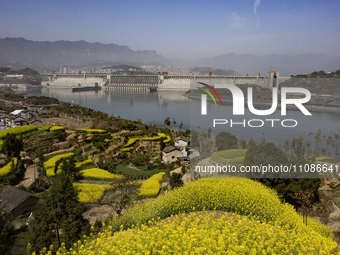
<point>221,156</point>
<point>176,180</point>
<point>286,188</point>
<point>236,161</point>
<point>11,146</point>
<point>46,127</point>
<point>139,160</point>
<point>32,133</point>
<point>6,233</point>
<point>130,127</point>
<point>57,210</point>
<point>334,160</point>
<point>225,141</point>
<point>265,154</point>
<point>183,170</point>
<point>135,174</point>
<point>31,148</point>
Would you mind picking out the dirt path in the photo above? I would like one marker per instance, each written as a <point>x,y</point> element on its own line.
<point>30,175</point>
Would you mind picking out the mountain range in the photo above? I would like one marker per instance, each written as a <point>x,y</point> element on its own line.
<point>19,53</point>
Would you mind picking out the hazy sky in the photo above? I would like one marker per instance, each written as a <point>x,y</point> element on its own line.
<point>184,29</point>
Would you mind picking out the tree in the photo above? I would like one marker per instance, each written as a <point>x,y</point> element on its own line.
<point>176,180</point>
<point>225,141</point>
<point>58,210</point>
<point>268,154</point>
<point>162,143</point>
<point>167,122</point>
<point>11,146</point>
<point>121,196</point>
<point>6,233</point>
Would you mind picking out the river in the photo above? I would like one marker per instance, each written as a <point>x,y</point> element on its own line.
<point>154,107</point>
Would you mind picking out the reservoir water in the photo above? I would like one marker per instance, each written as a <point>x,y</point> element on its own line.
<point>154,107</point>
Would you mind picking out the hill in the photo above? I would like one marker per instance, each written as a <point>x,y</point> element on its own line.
<point>19,53</point>
<point>286,65</point>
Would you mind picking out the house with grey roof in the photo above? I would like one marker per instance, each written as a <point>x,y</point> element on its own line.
<point>17,202</point>
<point>171,153</point>
<point>181,141</point>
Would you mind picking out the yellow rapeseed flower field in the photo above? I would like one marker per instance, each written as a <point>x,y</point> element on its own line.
<point>97,173</point>
<point>93,130</point>
<point>151,186</point>
<point>89,193</point>
<point>50,164</point>
<point>268,226</point>
<point>18,130</point>
<point>204,234</point>
<point>56,128</point>
<point>85,162</point>
<point>5,170</point>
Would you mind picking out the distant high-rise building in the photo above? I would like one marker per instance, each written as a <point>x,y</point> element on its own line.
<point>63,70</point>
<point>90,69</point>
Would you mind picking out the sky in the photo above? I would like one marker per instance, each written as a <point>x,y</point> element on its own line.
<point>189,30</point>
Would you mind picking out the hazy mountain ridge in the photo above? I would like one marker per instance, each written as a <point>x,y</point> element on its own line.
<point>286,65</point>
<point>19,53</point>
<point>45,55</point>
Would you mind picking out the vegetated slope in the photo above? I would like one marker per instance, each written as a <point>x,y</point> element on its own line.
<point>270,218</point>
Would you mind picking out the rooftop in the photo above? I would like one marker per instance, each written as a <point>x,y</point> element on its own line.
<point>11,198</point>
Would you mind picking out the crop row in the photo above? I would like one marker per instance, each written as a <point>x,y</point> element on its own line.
<point>99,174</point>
<point>126,149</point>
<point>89,193</point>
<point>5,170</point>
<point>17,130</point>
<point>49,165</point>
<point>151,186</point>
<point>56,128</point>
<point>91,130</point>
<point>131,142</point>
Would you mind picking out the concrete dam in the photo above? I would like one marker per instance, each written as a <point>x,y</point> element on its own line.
<point>160,82</point>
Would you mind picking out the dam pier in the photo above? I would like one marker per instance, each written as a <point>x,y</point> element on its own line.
<point>160,82</point>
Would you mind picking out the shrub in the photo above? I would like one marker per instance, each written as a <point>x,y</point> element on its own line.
<point>176,180</point>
